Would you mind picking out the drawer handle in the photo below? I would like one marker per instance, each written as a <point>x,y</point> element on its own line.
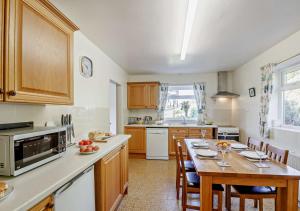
<point>12,93</point>
<point>1,91</point>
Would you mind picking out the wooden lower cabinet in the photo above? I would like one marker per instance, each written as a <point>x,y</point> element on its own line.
<point>196,133</point>
<point>180,134</point>
<point>46,204</point>
<point>137,142</point>
<point>111,179</point>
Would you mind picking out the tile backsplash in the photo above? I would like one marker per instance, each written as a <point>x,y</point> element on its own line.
<point>85,119</point>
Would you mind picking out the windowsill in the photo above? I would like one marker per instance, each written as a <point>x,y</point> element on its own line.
<point>287,129</point>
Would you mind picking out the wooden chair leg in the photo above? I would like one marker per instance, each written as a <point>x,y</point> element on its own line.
<point>242,203</point>
<point>177,184</point>
<point>255,203</point>
<point>220,200</point>
<point>184,199</point>
<point>228,197</point>
<point>261,204</point>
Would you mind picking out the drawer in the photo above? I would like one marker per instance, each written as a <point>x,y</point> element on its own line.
<point>178,131</point>
<point>198,130</point>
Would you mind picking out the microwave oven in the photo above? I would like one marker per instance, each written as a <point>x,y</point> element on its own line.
<point>24,147</point>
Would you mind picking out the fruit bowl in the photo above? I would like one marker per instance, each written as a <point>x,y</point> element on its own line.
<point>90,149</point>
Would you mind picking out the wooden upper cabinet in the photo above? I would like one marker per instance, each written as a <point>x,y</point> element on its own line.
<point>141,95</point>
<point>39,54</point>
<point>2,12</point>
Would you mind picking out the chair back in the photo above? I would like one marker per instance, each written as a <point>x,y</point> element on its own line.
<point>181,158</point>
<point>176,152</point>
<point>277,154</point>
<point>254,144</point>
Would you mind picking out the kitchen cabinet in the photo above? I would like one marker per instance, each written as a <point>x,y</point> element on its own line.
<point>142,95</point>
<point>39,52</point>
<point>196,133</point>
<point>2,12</point>
<point>124,168</point>
<point>111,176</point>
<point>180,134</point>
<point>46,204</point>
<point>137,142</point>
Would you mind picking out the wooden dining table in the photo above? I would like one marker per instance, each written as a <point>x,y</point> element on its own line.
<point>244,172</point>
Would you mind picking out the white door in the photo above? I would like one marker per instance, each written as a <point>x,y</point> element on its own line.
<point>113,107</point>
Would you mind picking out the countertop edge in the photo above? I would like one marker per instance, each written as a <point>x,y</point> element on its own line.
<point>6,204</point>
<point>172,126</point>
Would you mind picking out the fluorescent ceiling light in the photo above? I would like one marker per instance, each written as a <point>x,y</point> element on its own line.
<point>190,17</point>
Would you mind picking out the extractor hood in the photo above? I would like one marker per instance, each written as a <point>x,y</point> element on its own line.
<point>223,86</point>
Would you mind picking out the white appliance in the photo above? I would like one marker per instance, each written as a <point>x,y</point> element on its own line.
<point>157,144</point>
<point>78,194</point>
<point>229,133</point>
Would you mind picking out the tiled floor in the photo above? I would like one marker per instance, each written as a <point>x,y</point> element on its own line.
<point>152,187</point>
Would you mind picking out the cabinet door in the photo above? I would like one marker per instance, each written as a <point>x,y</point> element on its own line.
<point>124,166</point>
<point>180,134</point>
<point>196,133</point>
<point>153,95</point>
<point>136,96</point>
<point>39,55</point>
<point>109,170</point>
<point>1,47</point>
<point>136,143</point>
<point>44,205</point>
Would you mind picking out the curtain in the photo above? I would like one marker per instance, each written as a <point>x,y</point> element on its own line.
<point>163,97</point>
<point>265,99</point>
<point>199,91</point>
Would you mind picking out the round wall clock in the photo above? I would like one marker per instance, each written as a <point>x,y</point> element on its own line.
<point>86,67</point>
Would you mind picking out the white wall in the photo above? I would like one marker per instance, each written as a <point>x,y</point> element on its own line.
<point>246,109</point>
<point>218,111</point>
<point>91,103</point>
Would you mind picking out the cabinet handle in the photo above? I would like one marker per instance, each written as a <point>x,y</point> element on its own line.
<point>12,93</point>
<point>1,91</point>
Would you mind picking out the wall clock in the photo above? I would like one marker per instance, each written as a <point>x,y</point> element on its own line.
<point>86,69</point>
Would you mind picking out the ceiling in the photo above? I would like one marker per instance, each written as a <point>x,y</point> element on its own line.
<point>145,36</point>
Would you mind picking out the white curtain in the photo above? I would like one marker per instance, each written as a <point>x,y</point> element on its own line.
<point>200,96</point>
<point>265,99</point>
<point>163,97</point>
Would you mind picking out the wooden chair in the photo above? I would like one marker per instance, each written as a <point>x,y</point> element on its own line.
<point>260,192</point>
<point>191,184</point>
<point>188,165</point>
<point>254,144</point>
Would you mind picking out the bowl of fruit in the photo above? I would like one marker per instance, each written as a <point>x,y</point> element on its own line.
<point>87,147</point>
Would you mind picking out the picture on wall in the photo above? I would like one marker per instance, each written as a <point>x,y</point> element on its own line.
<point>252,92</point>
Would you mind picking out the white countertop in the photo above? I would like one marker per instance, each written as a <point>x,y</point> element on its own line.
<point>33,186</point>
<point>173,125</point>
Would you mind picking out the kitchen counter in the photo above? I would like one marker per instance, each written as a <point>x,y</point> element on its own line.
<point>31,187</point>
<point>173,125</point>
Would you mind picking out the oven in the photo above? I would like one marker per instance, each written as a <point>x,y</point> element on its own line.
<point>228,133</point>
<point>24,149</point>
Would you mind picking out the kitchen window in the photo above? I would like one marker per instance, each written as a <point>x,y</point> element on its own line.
<point>181,104</point>
<point>289,96</point>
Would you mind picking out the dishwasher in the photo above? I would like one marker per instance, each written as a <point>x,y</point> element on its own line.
<point>157,144</point>
<point>78,194</point>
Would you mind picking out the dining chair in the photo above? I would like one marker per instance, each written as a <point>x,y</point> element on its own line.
<point>188,166</point>
<point>254,144</point>
<point>191,185</point>
<point>260,192</point>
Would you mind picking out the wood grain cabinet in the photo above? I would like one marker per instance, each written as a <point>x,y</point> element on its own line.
<point>39,52</point>
<point>142,95</point>
<point>46,204</point>
<point>137,142</point>
<point>180,134</point>
<point>111,177</point>
<point>196,133</point>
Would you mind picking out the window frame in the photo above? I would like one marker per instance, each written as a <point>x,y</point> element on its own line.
<point>180,120</point>
<point>286,87</point>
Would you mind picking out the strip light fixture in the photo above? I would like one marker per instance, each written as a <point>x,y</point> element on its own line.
<point>189,21</point>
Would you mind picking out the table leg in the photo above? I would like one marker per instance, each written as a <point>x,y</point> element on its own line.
<point>206,200</point>
<point>288,196</point>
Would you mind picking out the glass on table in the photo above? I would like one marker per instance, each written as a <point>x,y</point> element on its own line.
<point>260,154</point>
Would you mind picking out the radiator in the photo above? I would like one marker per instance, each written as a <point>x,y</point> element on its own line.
<point>294,162</point>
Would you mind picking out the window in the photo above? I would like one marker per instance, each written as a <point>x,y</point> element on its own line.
<point>290,96</point>
<point>181,103</point>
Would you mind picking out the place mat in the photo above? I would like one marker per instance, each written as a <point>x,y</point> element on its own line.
<point>261,165</point>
